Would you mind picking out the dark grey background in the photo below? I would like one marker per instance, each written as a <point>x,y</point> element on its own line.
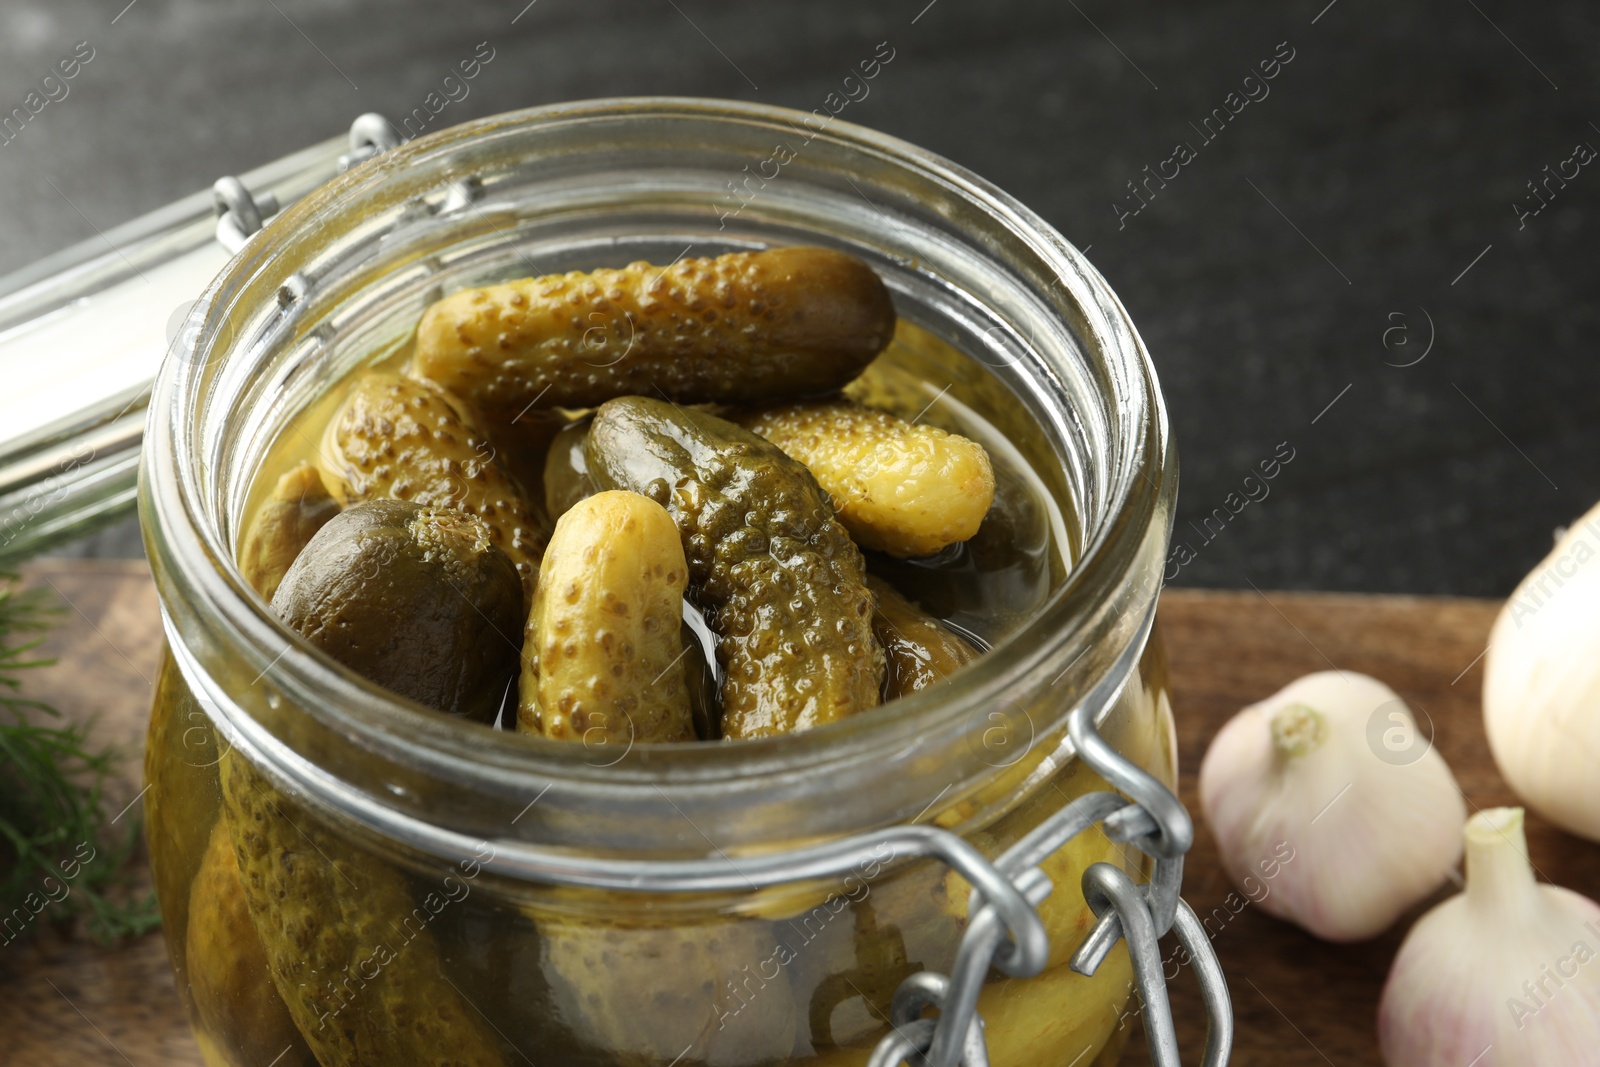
<point>1350,201</point>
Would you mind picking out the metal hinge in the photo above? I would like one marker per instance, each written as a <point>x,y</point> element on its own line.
<point>240,213</point>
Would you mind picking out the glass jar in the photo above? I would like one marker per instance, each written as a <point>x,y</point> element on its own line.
<point>435,892</point>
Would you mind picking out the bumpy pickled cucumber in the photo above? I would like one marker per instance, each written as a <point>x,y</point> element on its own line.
<point>780,580</point>
<point>649,996</point>
<point>747,327</point>
<point>299,506</point>
<point>233,993</point>
<point>350,951</point>
<point>899,487</point>
<point>919,649</point>
<point>398,438</point>
<point>180,753</point>
<point>566,472</point>
<point>608,620</point>
<point>414,598</point>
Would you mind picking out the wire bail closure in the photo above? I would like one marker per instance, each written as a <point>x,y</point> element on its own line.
<point>1154,822</point>
<point>240,213</point>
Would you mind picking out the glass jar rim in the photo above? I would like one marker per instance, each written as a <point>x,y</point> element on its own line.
<point>194,563</point>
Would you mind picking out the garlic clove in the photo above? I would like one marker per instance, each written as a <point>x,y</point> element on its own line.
<point>1541,683</point>
<point>1318,827</point>
<point>1506,974</point>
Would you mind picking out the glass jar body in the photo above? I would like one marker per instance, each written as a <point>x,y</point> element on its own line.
<point>800,975</point>
<point>348,879</point>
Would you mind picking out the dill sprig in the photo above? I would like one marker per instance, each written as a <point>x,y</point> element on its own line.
<point>60,855</point>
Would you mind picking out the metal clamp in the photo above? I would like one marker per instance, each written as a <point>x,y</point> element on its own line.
<point>370,135</point>
<point>240,213</point>
<point>1155,822</point>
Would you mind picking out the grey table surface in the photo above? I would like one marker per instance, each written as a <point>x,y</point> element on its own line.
<point>1360,205</point>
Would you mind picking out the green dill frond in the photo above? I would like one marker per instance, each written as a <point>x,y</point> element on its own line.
<point>61,854</point>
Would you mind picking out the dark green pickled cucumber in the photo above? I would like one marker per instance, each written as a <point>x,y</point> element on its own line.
<point>779,579</point>
<point>566,472</point>
<point>416,599</point>
<point>920,650</point>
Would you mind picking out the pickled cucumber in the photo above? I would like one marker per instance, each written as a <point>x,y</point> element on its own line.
<point>350,952</point>
<point>608,623</point>
<point>398,438</point>
<point>648,996</point>
<point>299,506</point>
<point>919,649</point>
<point>415,598</point>
<point>747,327</point>
<point>899,487</point>
<point>779,579</point>
<point>237,1004</point>
<point>566,472</point>
<point>180,755</point>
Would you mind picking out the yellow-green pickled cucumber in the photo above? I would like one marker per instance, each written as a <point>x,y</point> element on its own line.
<point>608,621</point>
<point>747,327</point>
<point>180,754</point>
<point>414,598</point>
<point>299,506</point>
<point>712,993</point>
<point>779,579</point>
<point>352,954</point>
<point>920,650</point>
<point>899,487</point>
<point>238,1006</point>
<point>1052,1018</point>
<point>405,440</point>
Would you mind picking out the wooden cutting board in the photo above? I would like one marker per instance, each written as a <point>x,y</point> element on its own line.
<point>1297,1001</point>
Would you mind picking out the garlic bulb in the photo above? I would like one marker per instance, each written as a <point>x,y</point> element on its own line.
<point>1331,772</point>
<point>1506,974</point>
<point>1541,683</point>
